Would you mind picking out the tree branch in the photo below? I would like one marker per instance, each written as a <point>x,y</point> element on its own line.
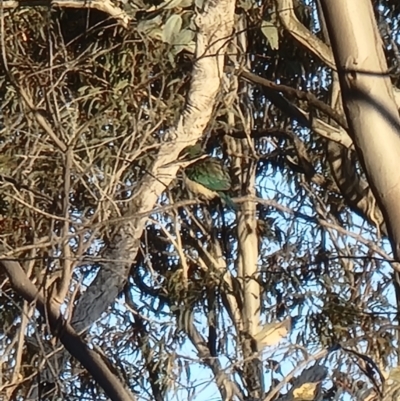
<point>106,6</point>
<point>298,94</point>
<point>215,26</point>
<point>228,389</point>
<point>64,331</point>
<point>289,20</point>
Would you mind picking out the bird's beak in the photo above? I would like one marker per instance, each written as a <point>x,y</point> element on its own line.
<point>183,163</point>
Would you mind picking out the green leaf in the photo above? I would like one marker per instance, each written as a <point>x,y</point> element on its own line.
<point>172,28</point>
<point>270,31</point>
<point>148,26</point>
<point>184,37</point>
<point>184,41</point>
<point>199,4</point>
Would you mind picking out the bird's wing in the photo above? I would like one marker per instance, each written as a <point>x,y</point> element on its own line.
<point>211,174</point>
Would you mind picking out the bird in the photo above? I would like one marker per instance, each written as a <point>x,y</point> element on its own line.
<point>207,177</point>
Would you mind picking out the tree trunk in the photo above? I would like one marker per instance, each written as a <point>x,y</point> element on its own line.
<point>368,101</point>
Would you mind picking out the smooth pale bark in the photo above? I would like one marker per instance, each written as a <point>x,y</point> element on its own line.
<point>368,101</point>
<point>246,264</point>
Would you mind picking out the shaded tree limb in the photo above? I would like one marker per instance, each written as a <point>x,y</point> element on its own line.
<point>288,18</point>
<point>228,389</point>
<point>355,190</point>
<point>293,111</point>
<point>64,331</point>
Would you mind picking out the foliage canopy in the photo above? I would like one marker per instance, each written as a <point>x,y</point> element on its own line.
<point>85,105</point>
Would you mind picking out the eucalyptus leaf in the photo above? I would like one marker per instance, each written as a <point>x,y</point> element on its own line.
<point>184,41</point>
<point>172,28</point>
<point>199,4</point>
<point>147,26</point>
<point>270,31</point>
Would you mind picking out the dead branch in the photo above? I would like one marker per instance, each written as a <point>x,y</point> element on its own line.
<point>106,6</point>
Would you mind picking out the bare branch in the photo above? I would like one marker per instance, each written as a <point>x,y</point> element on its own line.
<point>215,26</point>
<point>64,331</point>
<point>105,6</point>
<point>302,34</point>
<point>227,388</point>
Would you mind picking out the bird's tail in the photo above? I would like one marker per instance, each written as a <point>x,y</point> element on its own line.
<point>228,201</point>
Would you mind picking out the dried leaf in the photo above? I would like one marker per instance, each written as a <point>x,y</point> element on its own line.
<point>272,333</point>
<point>305,392</point>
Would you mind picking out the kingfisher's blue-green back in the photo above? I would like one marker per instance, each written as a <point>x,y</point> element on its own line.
<point>211,173</point>
<point>208,178</point>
